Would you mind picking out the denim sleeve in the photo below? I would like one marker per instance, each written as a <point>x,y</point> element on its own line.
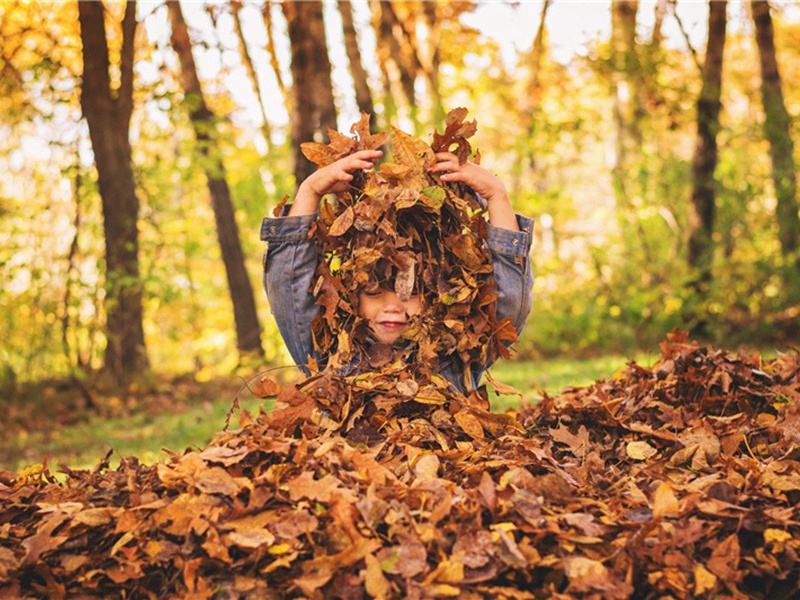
<point>289,264</point>
<point>510,253</point>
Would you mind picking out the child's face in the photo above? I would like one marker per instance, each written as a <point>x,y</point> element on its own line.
<point>386,314</point>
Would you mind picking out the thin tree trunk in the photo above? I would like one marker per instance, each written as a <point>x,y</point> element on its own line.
<point>432,72</point>
<point>391,51</point>
<point>266,12</point>
<point>777,126</point>
<point>533,100</point>
<point>657,37</point>
<point>313,109</point>
<point>383,54</point>
<point>108,115</point>
<point>248,329</point>
<point>360,84</point>
<point>702,211</point>
<point>266,130</point>
<point>625,80</point>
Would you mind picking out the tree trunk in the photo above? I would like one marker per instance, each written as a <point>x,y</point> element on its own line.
<point>266,13</point>
<point>777,125</point>
<point>533,100</point>
<point>108,115</point>
<point>432,72</point>
<point>703,208</point>
<point>248,329</point>
<point>266,130</point>
<point>626,89</point>
<point>392,54</point>
<point>363,93</point>
<point>313,109</point>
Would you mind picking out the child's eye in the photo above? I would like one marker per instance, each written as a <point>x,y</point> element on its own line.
<point>373,293</point>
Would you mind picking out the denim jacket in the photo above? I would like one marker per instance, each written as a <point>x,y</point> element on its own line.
<point>291,258</point>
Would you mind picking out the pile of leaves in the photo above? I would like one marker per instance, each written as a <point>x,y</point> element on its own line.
<point>401,227</point>
<point>681,480</point>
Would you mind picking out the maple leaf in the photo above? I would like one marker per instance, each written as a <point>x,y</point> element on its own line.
<point>456,133</point>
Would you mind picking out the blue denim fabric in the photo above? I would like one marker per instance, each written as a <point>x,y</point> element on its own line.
<point>291,258</point>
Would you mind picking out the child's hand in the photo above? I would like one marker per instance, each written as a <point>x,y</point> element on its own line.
<point>336,177</point>
<point>483,182</point>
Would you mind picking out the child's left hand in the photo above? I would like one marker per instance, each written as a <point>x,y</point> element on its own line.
<point>483,182</point>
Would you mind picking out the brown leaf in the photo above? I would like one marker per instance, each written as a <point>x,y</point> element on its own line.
<point>724,561</point>
<point>665,503</point>
<point>343,222</point>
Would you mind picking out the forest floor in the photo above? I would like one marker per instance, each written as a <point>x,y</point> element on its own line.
<point>51,420</point>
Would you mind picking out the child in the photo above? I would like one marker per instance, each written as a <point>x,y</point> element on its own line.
<point>291,259</point>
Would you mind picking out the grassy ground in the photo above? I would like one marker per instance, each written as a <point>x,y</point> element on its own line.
<point>50,423</point>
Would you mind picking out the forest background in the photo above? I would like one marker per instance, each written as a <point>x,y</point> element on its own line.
<point>143,143</point>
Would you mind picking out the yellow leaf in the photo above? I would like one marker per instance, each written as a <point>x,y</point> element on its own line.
<point>450,571</point>
<point>704,580</point>
<point>446,590</point>
<point>376,583</point>
<point>639,450</point>
<point>776,535</point>
<point>503,527</point>
<point>279,549</point>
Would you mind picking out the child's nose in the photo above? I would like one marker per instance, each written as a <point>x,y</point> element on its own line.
<point>393,303</point>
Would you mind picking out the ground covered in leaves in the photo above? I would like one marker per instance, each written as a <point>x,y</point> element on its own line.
<point>677,481</point>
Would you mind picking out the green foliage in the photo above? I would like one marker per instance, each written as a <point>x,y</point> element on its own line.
<point>611,270</point>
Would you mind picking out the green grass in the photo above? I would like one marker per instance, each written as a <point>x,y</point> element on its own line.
<point>141,435</point>
<point>193,422</point>
<point>531,378</point>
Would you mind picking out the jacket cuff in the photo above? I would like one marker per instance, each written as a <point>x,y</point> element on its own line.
<point>286,229</point>
<point>512,243</point>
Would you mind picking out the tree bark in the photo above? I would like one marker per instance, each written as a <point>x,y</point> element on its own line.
<point>313,109</point>
<point>108,115</point>
<point>777,126</point>
<point>248,328</point>
<point>703,205</point>
<point>360,84</point>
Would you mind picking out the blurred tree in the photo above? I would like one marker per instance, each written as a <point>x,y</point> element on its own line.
<point>702,210</point>
<point>266,129</point>
<point>266,12</point>
<point>108,113</point>
<point>433,22</point>
<point>248,328</point>
<point>313,109</point>
<point>626,78</point>
<point>777,128</point>
<point>359,74</point>
<point>396,60</point>
<point>532,100</point>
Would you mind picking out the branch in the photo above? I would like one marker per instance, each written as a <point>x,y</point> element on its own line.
<point>674,13</point>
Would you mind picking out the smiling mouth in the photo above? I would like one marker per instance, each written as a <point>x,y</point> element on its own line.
<point>392,324</point>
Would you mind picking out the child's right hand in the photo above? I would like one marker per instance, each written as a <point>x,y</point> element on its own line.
<point>336,177</point>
